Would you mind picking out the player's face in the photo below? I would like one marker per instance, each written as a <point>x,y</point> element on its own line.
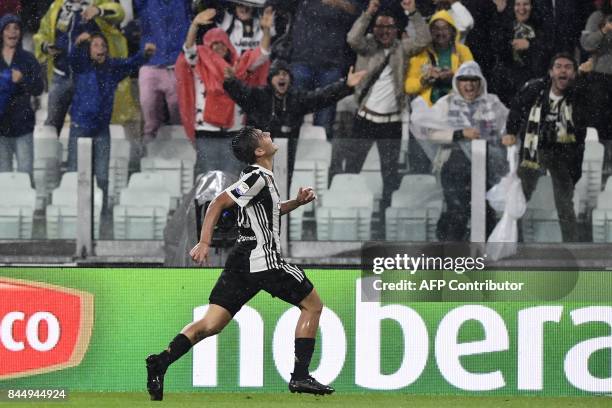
<point>266,143</point>
<point>280,82</point>
<point>10,35</point>
<point>562,74</point>
<point>98,50</point>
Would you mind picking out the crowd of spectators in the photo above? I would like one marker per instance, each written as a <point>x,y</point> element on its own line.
<point>511,71</point>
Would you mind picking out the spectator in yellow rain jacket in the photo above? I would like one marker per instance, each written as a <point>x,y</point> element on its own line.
<point>430,75</point>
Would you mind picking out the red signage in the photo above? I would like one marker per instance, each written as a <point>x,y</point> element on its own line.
<point>42,327</point>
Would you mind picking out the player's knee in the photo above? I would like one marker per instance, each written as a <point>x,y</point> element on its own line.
<point>315,307</point>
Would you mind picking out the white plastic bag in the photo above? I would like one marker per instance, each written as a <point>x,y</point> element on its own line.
<point>497,194</point>
<point>502,241</point>
<point>507,187</point>
<point>507,195</point>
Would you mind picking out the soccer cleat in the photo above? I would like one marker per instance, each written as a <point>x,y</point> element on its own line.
<point>155,378</point>
<point>309,385</point>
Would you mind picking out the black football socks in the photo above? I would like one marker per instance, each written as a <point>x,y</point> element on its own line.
<point>304,347</point>
<point>179,346</point>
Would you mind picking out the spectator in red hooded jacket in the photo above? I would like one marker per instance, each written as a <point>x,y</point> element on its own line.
<point>209,115</point>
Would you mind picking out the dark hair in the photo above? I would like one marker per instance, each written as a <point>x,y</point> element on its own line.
<point>98,34</point>
<point>244,144</point>
<point>5,21</point>
<point>388,14</point>
<point>277,66</point>
<point>565,55</point>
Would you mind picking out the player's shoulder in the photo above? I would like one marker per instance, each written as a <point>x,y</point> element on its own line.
<point>251,173</point>
<point>250,170</point>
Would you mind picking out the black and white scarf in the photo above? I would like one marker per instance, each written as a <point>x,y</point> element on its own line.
<point>539,132</point>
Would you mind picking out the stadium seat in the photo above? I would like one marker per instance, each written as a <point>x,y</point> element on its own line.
<point>338,222</point>
<point>62,212</point>
<point>143,208</point>
<point>591,135</point>
<point>415,209</point>
<point>47,160</point>
<point>374,182</point>
<point>118,166</point>
<point>313,157</point>
<point>44,131</point>
<point>313,173</point>
<point>172,149</point>
<point>541,221</point>
<point>309,131</point>
<point>352,184</point>
<point>117,132</point>
<point>63,139</point>
<point>297,216</point>
<point>589,185</point>
<point>17,206</point>
<point>177,173</point>
<point>171,132</point>
<point>40,116</point>
<point>372,161</point>
<point>371,171</point>
<point>580,198</point>
<point>602,217</point>
<point>44,101</point>
<point>346,210</point>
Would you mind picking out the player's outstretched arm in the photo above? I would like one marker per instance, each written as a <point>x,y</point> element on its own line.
<point>304,196</point>
<point>199,253</point>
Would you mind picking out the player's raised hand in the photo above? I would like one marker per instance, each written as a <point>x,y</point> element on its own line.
<point>305,195</point>
<point>199,253</point>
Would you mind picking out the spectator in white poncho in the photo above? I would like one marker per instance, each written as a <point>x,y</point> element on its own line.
<point>445,131</point>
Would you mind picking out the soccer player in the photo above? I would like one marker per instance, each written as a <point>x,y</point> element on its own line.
<point>255,263</point>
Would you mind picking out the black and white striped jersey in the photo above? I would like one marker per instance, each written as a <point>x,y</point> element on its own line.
<point>258,217</point>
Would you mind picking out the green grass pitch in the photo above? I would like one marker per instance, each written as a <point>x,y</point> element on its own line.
<point>256,400</point>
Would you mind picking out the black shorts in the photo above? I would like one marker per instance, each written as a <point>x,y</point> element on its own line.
<point>235,287</point>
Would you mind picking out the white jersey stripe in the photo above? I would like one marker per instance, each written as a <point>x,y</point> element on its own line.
<point>297,270</point>
<point>292,273</point>
<point>262,227</point>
